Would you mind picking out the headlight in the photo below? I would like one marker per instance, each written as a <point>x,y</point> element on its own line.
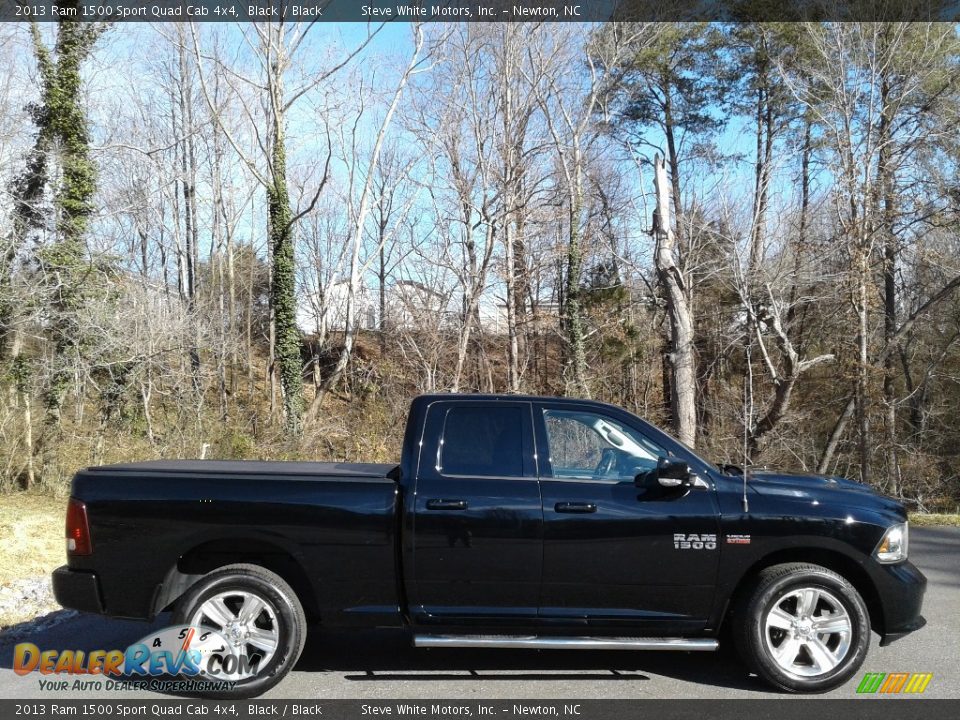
<point>893,545</point>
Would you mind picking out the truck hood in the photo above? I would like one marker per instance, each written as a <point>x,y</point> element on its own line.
<point>824,488</point>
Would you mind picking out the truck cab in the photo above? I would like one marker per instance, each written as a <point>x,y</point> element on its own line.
<point>553,513</point>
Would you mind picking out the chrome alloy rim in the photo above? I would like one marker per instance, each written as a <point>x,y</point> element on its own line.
<point>808,632</point>
<point>248,623</point>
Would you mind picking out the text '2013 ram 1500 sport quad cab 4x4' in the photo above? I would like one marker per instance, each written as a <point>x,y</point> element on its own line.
<point>511,521</point>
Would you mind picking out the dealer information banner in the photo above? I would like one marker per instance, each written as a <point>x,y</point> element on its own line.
<point>787,709</point>
<point>467,10</point>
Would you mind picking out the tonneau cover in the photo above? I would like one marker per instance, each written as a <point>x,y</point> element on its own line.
<point>251,467</point>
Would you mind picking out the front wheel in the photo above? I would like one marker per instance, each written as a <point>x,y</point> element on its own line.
<point>804,628</point>
<point>260,620</point>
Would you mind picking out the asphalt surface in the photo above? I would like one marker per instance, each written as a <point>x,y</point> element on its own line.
<point>382,665</point>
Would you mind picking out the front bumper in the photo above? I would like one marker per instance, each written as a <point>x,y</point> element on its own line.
<point>77,590</point>
<point>916,624</point>
<point>900,588</point>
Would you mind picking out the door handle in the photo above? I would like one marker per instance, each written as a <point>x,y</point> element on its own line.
<point>575,507</point>
<point>437,504</point>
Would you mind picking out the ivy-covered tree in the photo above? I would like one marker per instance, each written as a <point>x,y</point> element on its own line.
<point>64,140</point>
<point>283,290</point>
<point>277,49</point>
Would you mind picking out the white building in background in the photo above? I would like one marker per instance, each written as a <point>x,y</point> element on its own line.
<point>493,316</point>
<point>320,313</point>
<point>409,305</point>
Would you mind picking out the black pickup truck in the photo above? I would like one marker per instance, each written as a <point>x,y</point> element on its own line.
<point>510,522</point>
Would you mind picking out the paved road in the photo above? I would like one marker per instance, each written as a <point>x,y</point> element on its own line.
<point>382,665</point>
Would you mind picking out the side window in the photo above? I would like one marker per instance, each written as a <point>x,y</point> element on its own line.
<point>575,449</point>
<point>483,441</point>
<point>589,445</point>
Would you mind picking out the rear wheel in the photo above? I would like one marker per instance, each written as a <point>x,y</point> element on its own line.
<point>259,617</point>
<point>803,628</point>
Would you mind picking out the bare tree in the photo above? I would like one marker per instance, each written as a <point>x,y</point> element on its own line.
<point>275,47</point>
<point>872,111</point>
<point>463,188</point>
<point>683,398</point>
<point>416,65</point>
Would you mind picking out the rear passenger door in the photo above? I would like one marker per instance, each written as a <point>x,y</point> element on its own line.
<point>478,519</point>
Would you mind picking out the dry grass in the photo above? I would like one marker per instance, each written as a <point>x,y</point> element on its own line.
<point>932,519</point>
<point>31,535</point>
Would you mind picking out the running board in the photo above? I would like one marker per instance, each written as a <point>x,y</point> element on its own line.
<point>539,642</point>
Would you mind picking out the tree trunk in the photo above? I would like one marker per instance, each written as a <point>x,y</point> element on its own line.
<point>576,342</point>
<point>188,166</point>
<point>669,341</point>
<point>682,362</point>
<point>885,172</point>
<point>283,286</point>
<point>513,350</point>
<point>63,119</point>
<point>146,390</point>
<point>863,365</point>
<point>474,284</point>
<point>21,380</point>
<point>382,291</point>
<point>764,160</point>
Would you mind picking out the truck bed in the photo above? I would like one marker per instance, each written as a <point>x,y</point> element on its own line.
<point>271,468</point>
<point>337,522</point>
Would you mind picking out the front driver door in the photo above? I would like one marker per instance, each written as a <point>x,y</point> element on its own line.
<point>615,553</point>
<point>478,521</point>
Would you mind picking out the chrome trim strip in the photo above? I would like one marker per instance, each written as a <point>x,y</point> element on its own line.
<point>564,643</point>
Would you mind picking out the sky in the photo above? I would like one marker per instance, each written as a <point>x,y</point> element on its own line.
<point>109,75</point>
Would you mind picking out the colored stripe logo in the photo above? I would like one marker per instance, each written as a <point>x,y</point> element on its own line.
<point>894,683</point>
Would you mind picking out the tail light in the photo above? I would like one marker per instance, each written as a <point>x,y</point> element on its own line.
<point>78,529</point>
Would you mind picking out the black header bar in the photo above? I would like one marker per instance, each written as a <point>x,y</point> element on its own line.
<point>475,10</point>
<point>480,709</point>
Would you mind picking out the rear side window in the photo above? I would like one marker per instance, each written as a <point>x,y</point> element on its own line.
<point>483,442</point>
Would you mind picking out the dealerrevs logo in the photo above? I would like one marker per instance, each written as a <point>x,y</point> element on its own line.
<point>894,683</point>
<point>180,650</point>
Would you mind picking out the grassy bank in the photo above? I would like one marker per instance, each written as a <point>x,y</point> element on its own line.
<point>31,535</point>
<point>933,519</point>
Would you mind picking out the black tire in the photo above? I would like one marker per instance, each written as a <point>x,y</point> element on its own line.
<point>778,589</point>
<point>270,588</point>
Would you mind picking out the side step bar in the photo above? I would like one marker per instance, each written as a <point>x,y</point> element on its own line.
<point>539,642</point>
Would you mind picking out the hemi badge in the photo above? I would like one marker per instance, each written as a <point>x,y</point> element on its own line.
<point>738,539</point>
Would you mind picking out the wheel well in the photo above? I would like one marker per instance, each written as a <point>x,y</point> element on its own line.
<point>193,565</point>
<point>838,562</point>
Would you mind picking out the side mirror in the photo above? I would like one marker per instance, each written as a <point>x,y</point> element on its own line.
<point>672,473</point>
